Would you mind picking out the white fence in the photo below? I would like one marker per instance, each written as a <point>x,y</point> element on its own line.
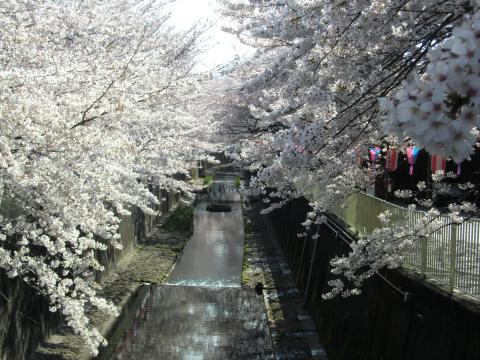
<point>451,255</point>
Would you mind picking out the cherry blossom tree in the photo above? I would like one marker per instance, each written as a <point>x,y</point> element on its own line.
<point>97,101</point>
<point>330,77</point>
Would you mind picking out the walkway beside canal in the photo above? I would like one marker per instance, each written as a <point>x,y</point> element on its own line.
<point>293,331</point>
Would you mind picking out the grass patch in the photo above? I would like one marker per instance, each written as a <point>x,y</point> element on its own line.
<point>178,249</point>
<point>207,179</point>
<point>245,266</point>
<point>181,219</point>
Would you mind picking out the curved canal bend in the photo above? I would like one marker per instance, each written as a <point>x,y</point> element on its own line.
<point>202,312</point>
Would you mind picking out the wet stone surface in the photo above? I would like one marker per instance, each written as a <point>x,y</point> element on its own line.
<point>197,323</point>
<point>293,331</point>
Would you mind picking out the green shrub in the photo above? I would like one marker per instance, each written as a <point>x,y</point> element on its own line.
<point>237,182</point>
<point>207,179</point>
<point>181,219</point>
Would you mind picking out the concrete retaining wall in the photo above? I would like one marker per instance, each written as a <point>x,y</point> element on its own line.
<point>378,324</point>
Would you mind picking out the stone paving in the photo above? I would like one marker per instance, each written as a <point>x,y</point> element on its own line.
<point>293,331</point>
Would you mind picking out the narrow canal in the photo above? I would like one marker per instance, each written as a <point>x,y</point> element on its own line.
<point>214,255</point>
<point>201,313</point>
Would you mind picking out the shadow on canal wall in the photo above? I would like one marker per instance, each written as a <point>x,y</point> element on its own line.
<point>378,324</point>
<point>134,228</point>
<point>25,320</point>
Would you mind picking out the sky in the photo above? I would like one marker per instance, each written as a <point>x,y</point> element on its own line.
<point>223,46</point>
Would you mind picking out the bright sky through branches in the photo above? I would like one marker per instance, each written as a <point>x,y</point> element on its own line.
<point>223,47</point>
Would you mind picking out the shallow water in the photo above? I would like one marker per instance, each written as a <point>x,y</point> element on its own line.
<point>201,313</point>
<point>197,323</point>
<point>214,254</point>
<point>222,191</point>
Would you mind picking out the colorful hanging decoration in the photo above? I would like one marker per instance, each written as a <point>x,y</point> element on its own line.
<point>374,153</point>
<point>412,154</point>
<point>438,163</point>
<point>391,159</point>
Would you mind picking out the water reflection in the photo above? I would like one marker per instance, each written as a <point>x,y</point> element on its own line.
<point>178,322</point>
<point>214,254</point>
<point>223,191</point>
<point>202,313</point>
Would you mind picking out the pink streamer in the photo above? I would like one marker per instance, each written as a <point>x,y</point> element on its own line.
<point>412,153</point>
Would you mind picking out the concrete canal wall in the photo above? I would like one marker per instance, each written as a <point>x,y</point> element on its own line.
<point>134,229</point>
<point>24,316</point>
<point>378,324</point>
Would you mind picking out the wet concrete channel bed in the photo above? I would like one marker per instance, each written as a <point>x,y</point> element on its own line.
<point>196,323</point>
<point>214,254</point>
<point>201,312</point>
<point>293,332</point>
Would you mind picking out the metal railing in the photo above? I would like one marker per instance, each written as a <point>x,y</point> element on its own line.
<point>451,255</point>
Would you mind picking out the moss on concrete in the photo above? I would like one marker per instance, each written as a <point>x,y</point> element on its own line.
<point>181,219</point>
<point>246,280</point>
<point>238,182</point>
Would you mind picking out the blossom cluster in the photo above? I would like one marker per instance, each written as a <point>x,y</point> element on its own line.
<point>95,98</point>
<point>440,108</point>
<point>330,77</point>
